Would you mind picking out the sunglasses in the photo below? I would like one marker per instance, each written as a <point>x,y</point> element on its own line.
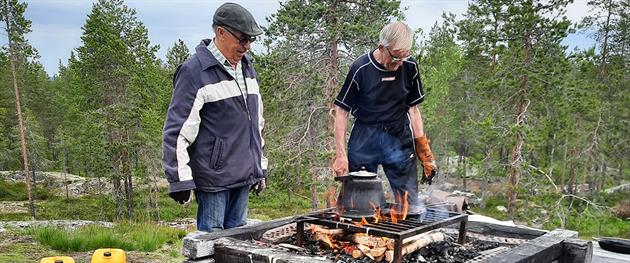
<point>396,59</point>
<point>242,40</point>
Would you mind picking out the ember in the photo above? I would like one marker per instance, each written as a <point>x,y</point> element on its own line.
<point>441,251</point>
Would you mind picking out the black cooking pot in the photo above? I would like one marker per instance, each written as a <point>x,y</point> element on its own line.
<point>361,193</point>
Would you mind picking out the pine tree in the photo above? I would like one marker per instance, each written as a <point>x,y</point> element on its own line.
<point>117,64</point>
<point>176,55</point>
<point>12,13</point>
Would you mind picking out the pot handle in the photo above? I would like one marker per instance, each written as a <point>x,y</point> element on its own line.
<point>343,178</point>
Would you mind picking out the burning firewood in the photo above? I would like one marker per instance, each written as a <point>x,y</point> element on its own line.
<point>418,243</point>
<point>326,231</point>
<point>357,253</point>
<point>377,252</point>
<point>368,241</point>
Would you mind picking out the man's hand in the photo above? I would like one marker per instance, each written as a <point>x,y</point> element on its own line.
<point>340,165</point>
<point>181,197</point>
<point>426,158</point>
<point>259,187</point>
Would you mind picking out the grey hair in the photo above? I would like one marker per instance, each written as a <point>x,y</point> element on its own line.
<point>396,35</point>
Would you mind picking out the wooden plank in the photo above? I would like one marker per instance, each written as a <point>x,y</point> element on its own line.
<point>577,251</point>
<point>230,250</point>
<point>546,248</point>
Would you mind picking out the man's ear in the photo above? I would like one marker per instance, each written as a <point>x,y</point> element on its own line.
<point>219,32</point>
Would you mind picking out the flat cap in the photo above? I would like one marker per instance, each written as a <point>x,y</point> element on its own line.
<point>237,17</point>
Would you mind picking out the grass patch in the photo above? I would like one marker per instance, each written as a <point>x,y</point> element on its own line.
<point>128,236</point>
<point>16,191</point>
<point>275,205</point>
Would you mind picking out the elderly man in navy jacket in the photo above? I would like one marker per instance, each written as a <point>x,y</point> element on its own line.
<point>212,138</point>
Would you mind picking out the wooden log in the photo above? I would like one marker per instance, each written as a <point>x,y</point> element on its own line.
<point>417,244</point>
<point>365,249</point>
<point>369,241</point>
<point>319,229</point>
<point>357,254</point>
<point>382,242</point>
<point>377,252</point>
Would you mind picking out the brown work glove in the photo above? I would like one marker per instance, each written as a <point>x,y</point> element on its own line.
<point>426,158</point>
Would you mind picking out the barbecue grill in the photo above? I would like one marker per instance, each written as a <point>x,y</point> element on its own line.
<point>429,220</point>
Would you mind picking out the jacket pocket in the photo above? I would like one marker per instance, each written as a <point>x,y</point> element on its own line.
<point>217,154</point>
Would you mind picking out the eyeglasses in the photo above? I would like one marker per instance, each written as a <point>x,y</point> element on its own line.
<point>396,59</point>
<point>242,40</point>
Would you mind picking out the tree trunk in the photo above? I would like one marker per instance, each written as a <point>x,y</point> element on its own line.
<point>602,64</point>
<point>18,108</point>
<point>486,170</point>
<point>571,184</point>
<point>126,171</point>
<point>564,165</point>
<point>65,169</point>
<point>521,107</point>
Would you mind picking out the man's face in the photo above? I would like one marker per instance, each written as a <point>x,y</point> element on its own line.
<point>394,58</point>
<point>235,43</point>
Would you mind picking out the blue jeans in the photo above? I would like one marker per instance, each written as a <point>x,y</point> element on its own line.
<point>392,146</point>
<point>222,210</point>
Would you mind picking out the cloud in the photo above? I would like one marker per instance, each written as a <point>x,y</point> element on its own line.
<point>57,23</point>
<point>54,43</point>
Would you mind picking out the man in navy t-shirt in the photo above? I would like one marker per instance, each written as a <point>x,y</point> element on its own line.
<point>381,91</point>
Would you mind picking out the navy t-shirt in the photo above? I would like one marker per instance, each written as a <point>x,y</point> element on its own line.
<point>374,95</point>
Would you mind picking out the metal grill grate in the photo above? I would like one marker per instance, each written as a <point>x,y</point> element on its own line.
<point>429,220</point>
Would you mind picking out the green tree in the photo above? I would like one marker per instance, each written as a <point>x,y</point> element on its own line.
<point>16,27</point>
<point>515,35</point>
<point>120,77</point>
<point>176,55</point>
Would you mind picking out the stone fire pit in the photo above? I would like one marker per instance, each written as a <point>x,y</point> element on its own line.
<point>274,241</point>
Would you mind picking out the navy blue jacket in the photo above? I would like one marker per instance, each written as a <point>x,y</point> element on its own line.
<point>211,140</point>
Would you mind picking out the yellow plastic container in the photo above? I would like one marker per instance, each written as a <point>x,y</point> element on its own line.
<point>58,259</point>
<point>109,255</point>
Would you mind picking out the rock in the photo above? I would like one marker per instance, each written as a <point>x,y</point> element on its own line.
<point>470,197</point>
<point>501,208</point>
<point>448,187</point>
<point>67,224</point>
<point>13,207</point>
<point>77,185</point>
<point>619,188</point>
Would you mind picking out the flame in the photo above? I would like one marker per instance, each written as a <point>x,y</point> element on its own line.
<point>377,212</point>
<point>328,240</point>
<point>362,223</point>
<point>394,216</point>
<point>405,207</point>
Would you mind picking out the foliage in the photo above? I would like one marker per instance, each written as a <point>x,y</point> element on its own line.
<point>10,191</point>
<point>127,236</point>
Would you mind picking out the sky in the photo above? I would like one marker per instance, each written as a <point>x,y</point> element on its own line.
<point>56,24</point>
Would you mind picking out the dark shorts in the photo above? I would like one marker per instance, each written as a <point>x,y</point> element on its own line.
<point>392,146</point>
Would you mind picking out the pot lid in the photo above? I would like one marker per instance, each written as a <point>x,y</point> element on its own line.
<point>362,174</point>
